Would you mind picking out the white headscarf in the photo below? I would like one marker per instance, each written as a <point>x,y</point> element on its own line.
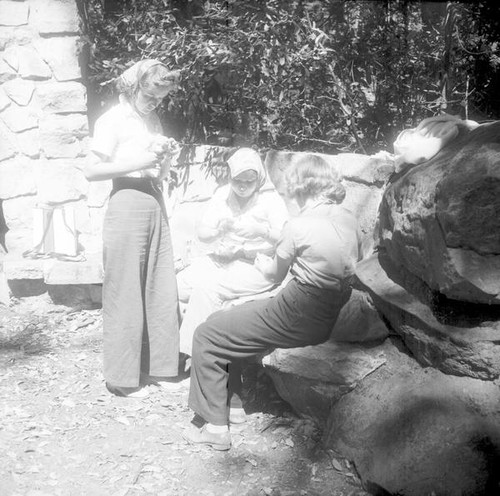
<point>129,81</point>
<point>246,159</point>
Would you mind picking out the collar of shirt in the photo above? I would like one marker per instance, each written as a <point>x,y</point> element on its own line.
<point>316,203</point>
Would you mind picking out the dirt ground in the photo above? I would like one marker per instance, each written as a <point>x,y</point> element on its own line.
<point>63,434</point>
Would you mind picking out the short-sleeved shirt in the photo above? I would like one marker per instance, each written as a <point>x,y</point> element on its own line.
<point>122,133</point>
<point>267,208</point>
<point>321,244</point>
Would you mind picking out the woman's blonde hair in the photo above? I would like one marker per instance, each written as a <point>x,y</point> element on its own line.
<point>148,75</point>
<point>312,177</point>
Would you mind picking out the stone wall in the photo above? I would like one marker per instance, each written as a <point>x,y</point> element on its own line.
<point>44,139</point>
<point>43,120</point>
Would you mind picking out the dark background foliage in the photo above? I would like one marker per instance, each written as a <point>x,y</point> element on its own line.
<point>324,76</point>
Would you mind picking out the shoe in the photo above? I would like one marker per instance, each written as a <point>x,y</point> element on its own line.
<point>169,386</point>
<point>237,416</point>
<point>184,364</point>
<point>219,442</point>
<point>128,392</point>
<point>165,383</point>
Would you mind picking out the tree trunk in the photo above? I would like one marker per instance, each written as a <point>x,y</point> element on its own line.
<point>449,25</point>
<point>432,14</point>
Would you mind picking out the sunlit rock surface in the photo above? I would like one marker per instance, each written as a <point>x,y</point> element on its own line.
<point>440,220</point>
<point>455,338</point>
<point>311,379</point>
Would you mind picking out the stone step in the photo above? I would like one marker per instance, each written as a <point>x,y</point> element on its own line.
<point>52,270</point>
<point>72,283</point>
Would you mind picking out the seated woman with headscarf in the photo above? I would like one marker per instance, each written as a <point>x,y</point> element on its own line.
<point>243,218</point>
<point>319,249</point>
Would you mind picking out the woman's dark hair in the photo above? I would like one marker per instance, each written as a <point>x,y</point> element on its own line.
<point>311,176</point>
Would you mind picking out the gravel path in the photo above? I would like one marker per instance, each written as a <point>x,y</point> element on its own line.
<point>63,434</point>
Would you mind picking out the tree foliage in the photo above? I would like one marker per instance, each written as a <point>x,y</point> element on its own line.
<point>301,74</point>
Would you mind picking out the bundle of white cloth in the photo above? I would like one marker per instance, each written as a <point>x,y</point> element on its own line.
<point>419,144</point>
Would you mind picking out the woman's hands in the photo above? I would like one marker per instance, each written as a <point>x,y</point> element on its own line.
<point>152,159</point>
<point>266,265</point>
<point>226,251</point>
<point>164,150</point>
<point>225,225</point>
<point>149,163</point>
<point>164,147</point>
<point>275,269</point>
<point>147,160</point>
<point>248,228</point>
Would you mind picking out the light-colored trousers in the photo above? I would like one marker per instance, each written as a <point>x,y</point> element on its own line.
<point>206,285</point>
<point>140,307</point>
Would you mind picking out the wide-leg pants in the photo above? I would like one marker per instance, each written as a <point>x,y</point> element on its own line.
<point>207,285</point>
<point>299,315</point>
<point>140,307</point>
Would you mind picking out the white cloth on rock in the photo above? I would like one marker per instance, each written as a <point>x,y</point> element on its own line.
<point>419,144</point>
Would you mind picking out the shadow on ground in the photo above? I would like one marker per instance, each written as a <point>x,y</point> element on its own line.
<point>63,434</point>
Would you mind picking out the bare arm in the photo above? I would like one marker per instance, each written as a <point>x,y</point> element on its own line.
<point>275,269</point>
<point>99,167</point>
<point>206,233</point>
<point>273,234</point>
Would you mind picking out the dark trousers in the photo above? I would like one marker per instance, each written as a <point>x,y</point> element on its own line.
<point>300,315</point>
<point>140,308</point>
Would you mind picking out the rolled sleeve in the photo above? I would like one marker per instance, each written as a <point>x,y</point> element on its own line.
<point>277,212</point>
<point>105,136</point>
<point>286,248</point>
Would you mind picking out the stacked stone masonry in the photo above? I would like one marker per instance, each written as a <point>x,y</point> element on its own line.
<point>44,138</point>
<point>43,118</point>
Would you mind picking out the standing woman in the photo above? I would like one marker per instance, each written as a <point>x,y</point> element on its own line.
<point>320,248</point>
<point>140,309</point>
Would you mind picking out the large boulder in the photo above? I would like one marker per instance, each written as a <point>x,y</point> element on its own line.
<point>312,378</point>
<point>415,431</point>
<point>459,340</point>
<point>359,321</point>
<point>440,220</point>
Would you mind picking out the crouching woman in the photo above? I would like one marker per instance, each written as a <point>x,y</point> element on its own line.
<point>320,248</point>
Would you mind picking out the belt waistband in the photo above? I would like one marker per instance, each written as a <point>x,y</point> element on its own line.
<point>343,284</point>
<point>145,184</point>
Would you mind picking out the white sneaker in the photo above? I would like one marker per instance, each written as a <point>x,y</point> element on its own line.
<point>166,383</point>
<point>237,416</point>
<point>128,392</point>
